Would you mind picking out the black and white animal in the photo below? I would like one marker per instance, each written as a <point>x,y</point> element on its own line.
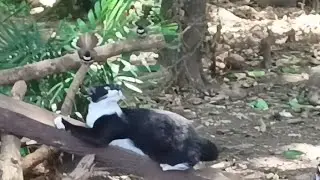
<point>164,136</point>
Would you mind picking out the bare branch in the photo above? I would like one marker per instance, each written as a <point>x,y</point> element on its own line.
<point>67,105</point>
<point>71,61</point>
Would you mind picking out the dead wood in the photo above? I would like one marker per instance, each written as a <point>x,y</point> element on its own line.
<point>10,145</point>
<point>44,152</point>
<point>35,158</point>
<point>83,170</point>
<point>71,61</point>
<point>67,105</point>
<point>117,159</point>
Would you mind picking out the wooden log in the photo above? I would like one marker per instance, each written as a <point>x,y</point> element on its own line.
<point>40,128</point>
<point>10,145</point>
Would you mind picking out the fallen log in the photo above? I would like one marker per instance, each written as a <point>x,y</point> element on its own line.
<point>10,145</point>
<point>37,124</point>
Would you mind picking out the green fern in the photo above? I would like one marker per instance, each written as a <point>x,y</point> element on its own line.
<point>22,44</point>
<point>109,13</point>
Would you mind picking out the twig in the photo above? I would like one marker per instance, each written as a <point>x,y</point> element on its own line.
<point>10,144</point>
<point>67,105</point>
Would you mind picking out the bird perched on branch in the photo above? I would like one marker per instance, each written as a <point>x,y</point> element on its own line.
<point>163,136</point>
<point>85,44</point>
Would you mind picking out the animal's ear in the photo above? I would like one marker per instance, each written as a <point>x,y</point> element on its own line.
<point>107,87</point>
<point>121,95</point>
<point>117,87</point>
<point>91,90</point>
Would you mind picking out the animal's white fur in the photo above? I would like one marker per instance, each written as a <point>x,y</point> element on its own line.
<point>179,167</point>
<point>106,106</point>
<point>126,144</point>
<point>58,122</point>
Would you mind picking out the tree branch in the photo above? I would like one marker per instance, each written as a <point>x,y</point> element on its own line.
<point>42,153</point>
<point>66,108</point>
<point>71,61</point>
<point>119,160</point>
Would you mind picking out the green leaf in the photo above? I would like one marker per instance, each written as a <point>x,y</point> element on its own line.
<point>92,19</point>
<point>24,151</point>
<point>130,79</point>
<point>256,73</point>
<point>294,104</point>
<point>82,25</point>
<point>114,68</point>
<point>113,8</point>
<point>122,10</point>
<point>132,87</point>
<point>97,9</point>
<point>292,154</point>
<point>259,104</point>
<point>129,67</point>
<point>145,64</point>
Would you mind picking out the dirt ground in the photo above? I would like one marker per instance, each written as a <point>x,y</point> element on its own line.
<point>253,142</point>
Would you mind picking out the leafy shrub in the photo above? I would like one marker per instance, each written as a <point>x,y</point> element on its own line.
<point>114,20</point>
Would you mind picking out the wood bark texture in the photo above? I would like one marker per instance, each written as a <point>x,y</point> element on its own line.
<point>10,163</point>
<point>119,160</point>
<point>71,61</point>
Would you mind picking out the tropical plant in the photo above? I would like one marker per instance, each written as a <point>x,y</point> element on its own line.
<point>112,19</point>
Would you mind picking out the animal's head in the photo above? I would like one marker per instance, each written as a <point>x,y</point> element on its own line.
<point>107,92</point>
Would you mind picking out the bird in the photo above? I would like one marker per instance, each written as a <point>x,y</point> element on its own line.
<point>165,137</point>
<point>85,44</point>
<point>141,31</point>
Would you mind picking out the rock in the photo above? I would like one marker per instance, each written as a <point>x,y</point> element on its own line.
<point>269,176</point>
<point>187,113</point>
<point>285,114</point>
<point>223,131</point>
<point>255,175</point>
<point>214,112</point>
<point>195,101</point>
<point>306,176</point>
<point>240,76</point>
<point>295,121</point>
<point>218,98</point>
<point>295,77</point>
<point>294,135</point>
<point>207,123</point>
<point>277,3</point>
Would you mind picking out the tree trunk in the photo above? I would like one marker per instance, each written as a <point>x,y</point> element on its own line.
<point>191,15</point>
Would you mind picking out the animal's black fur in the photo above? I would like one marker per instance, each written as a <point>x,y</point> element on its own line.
<point>164,139</point>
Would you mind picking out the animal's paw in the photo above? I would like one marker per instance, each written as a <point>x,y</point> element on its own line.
<point>58,123</point>
<point>179,167</point>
